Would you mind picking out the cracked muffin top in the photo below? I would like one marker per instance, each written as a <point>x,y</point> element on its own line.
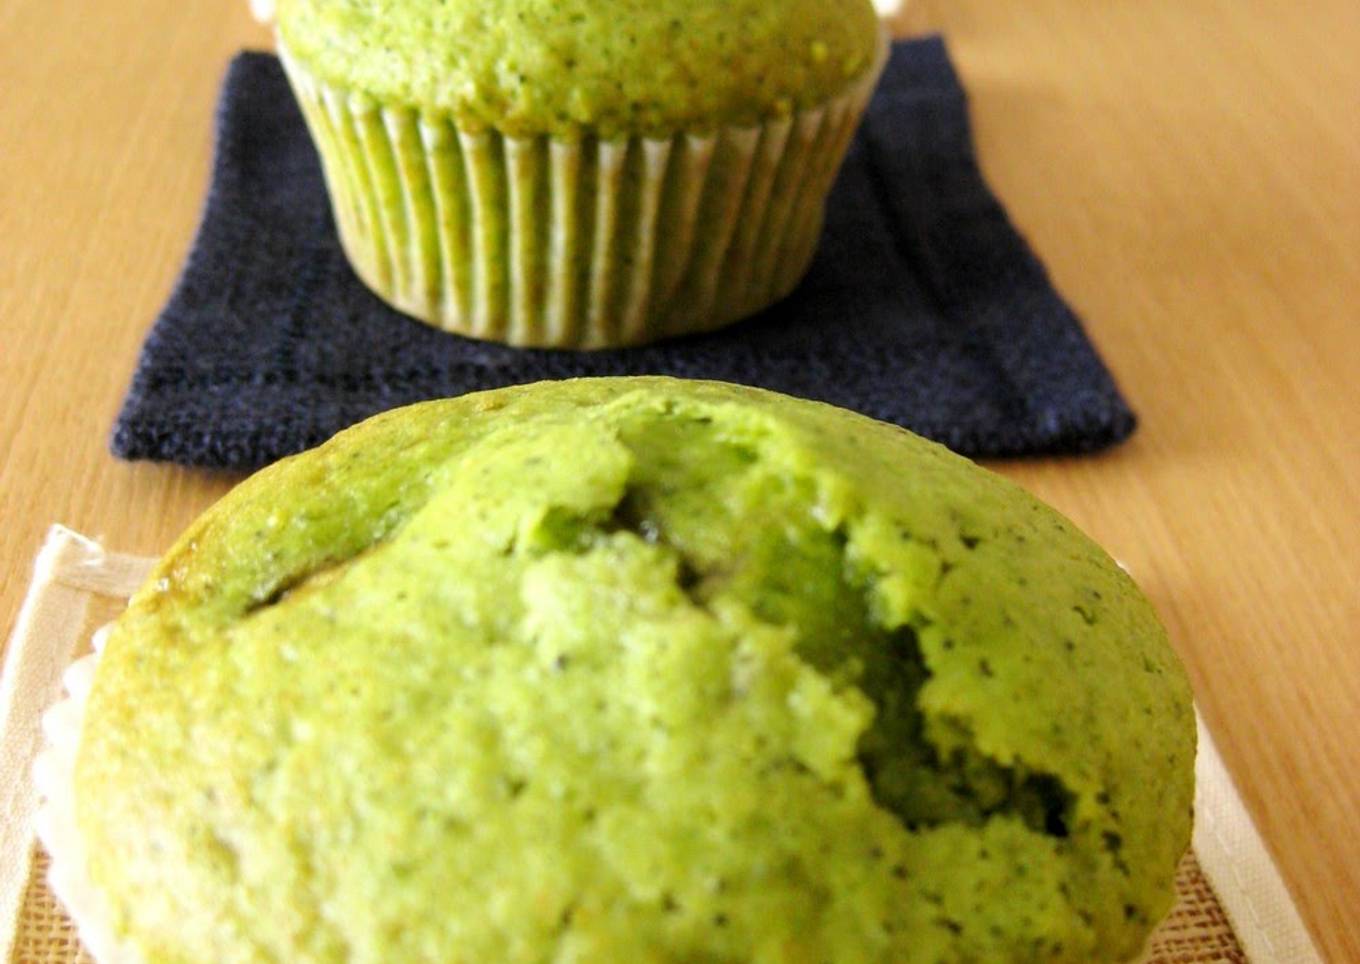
<point>611,66</point>
<point>635,669</point>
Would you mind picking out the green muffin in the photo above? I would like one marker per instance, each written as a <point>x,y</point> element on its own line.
<point>580,173</point>
<point>635,669</point>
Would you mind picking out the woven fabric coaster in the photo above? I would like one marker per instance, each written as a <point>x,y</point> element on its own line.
<point>1231,905</point>
<point>923,307</point>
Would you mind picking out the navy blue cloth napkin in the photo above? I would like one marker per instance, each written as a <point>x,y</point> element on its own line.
<point>923,306</point>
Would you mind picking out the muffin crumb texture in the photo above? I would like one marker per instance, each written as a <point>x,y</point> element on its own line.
<point>636,669</point>
<point>614,67</point>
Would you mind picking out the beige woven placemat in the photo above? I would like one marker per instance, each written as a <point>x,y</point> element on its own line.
<point>1231,903</point>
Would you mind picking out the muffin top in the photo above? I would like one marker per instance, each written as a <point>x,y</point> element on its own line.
<point>635,669</point>
<point>614,67</point>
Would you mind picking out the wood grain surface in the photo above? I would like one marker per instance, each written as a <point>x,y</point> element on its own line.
<point>1189,171</point>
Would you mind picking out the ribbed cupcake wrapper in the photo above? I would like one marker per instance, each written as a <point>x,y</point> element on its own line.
<point>55,821</point>
<point>589,243</point>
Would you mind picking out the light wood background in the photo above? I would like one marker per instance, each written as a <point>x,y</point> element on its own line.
<point>1188,169</point>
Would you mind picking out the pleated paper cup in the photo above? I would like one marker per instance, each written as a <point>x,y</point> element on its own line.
<point>55,821</point>
<point>575,243</point>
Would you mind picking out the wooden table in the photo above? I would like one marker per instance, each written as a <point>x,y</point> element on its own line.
<point>1190,172</point>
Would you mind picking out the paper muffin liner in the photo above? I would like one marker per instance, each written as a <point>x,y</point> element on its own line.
<point>587,243</point>
<point>55,820</point>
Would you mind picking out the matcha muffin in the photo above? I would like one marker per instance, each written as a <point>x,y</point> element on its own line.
<point>634,669</point>
<point>580,173</point>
